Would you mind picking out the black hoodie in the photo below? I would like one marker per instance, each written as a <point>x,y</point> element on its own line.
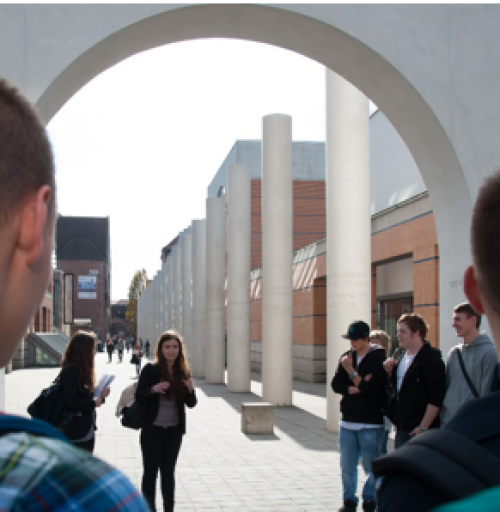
<point>367,406</point>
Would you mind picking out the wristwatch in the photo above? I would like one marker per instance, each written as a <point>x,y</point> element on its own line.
<point>353,375</point>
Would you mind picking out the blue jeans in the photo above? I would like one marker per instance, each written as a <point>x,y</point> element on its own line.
<point>353,444</point>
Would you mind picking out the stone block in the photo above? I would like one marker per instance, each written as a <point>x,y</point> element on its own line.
<point>257,418</point>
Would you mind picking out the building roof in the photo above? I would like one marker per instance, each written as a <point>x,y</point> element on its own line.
<point>82,238</point>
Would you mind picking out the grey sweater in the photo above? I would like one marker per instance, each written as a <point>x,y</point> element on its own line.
<point>480,360</point>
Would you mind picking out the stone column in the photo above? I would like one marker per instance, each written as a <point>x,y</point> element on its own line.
<point>238,279</point>
<point>348,221</point>
<point>178,286</point>
<point>187,269</point>
<point>170,291</point>
<point>216,264</point>
<point>277,259</point>
<point>161,299</point>
<point>199,259</point>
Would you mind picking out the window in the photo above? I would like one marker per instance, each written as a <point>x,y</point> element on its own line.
<point>389,312</point>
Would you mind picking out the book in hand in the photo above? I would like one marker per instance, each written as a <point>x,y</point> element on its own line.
<point>104,382</point>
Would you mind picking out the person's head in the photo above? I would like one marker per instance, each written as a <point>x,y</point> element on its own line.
<point>358,333</point>
<point>171,352</point>
<point>482,279</point>
<point>412,330</point>
<point>27,216</point>
<point>381,338</point>
<point>466,321</point>
<point>80,353</point>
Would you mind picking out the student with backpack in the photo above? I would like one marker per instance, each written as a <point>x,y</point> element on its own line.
<point>165,389</point>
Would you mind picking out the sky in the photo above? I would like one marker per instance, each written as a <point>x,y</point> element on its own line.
<point>142,141</point>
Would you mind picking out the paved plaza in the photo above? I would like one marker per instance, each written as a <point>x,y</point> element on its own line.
<point>219,467</point>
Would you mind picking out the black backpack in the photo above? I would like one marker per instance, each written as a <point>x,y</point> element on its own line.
<point>49,406</point>
<point>451,464</point>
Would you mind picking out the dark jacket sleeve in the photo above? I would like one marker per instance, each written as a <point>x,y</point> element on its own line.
<point>376,384</point>
<point>147,379</point>
<point>190,399</point>
<point>435,375</point>
<point>339,382</point>
<point>74,400</point>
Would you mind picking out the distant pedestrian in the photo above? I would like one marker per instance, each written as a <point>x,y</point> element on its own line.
<point>109,349</point>
<point>127,345</point>
<point>146,348</point>
<point>120,347</point>
<point>139,354</point>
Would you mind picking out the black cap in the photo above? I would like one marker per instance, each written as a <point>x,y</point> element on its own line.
<point>357,330</point>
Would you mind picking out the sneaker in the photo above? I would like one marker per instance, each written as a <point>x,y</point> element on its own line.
<point>369,506</point>
<point>349,506</point>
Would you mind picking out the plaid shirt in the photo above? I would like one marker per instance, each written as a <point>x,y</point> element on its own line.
<point>40,474</point>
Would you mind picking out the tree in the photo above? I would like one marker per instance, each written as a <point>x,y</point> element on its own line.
<point>138,284</point>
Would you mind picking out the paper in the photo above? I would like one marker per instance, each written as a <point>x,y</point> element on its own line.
<point>104,382</point>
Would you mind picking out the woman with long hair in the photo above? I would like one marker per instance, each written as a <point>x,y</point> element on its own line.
<point>77,381</point>
<point>165,387</point>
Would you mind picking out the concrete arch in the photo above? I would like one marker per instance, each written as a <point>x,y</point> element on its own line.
<point>412,61</point>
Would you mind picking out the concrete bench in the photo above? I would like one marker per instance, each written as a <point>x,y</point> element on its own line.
<point>257,418</point>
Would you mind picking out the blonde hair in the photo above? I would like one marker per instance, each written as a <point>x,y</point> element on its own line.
<point>384,339</point>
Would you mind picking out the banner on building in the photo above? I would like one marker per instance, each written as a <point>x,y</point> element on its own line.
<point>68,299</point>
<point>87,287</point>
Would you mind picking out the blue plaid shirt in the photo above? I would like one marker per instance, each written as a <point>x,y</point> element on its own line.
<point>41,474</point>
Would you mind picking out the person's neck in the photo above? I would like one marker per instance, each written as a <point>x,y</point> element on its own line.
<point>471,336</point>
<point>415,348</point>
<point>362,352</point>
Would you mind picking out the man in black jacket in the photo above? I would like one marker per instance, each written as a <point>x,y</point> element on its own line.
<point>417,381</point>
<point>360,380</point>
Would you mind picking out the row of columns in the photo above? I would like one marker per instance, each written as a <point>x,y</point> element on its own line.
<point>191,283</point>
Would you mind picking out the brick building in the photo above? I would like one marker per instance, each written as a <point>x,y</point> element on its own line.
<point>83,250</point>
<point>404,250</point>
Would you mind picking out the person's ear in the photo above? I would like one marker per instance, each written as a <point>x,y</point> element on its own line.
<point>471,289</point>
<point>35,217</point>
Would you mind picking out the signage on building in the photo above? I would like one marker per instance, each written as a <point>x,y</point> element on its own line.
<point>87,287</point>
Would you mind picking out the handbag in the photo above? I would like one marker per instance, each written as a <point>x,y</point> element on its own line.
<point>134,416</point>
<point>49,406</point>
<point>134,359</point>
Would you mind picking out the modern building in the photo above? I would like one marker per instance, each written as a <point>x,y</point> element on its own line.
<point>83,251</point>
<point>404,250</point>
<point>119,322</point>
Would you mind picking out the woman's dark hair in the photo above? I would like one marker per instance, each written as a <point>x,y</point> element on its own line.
<point>80,354</point>
<point>180,370</point>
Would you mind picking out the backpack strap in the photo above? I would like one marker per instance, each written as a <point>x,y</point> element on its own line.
<point>10,423</point>
<point>448,462</point>
<point>465,374</point>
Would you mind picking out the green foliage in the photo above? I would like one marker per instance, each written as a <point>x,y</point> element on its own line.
<point>138,284</point>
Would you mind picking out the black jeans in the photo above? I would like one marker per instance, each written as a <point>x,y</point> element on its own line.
<point>160,448</point>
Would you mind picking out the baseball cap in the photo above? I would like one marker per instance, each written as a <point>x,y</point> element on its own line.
<point>357,330</point>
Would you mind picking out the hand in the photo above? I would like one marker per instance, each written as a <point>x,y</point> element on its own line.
<point>105,392</point>
<point>368,377</point>
<point>347,364</point>
<point>189,384</point>
<point>417,430</point>
<point>389,365</point>
<point>353,390</point>
<point>161,388</point>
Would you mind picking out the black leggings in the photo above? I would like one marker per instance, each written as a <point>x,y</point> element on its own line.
<point>160,448</point>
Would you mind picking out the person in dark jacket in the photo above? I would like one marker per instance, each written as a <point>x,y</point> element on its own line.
<point>417,381</point>
<point>360,379</point>
<point>77,381</point>
<point>165,387</point>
